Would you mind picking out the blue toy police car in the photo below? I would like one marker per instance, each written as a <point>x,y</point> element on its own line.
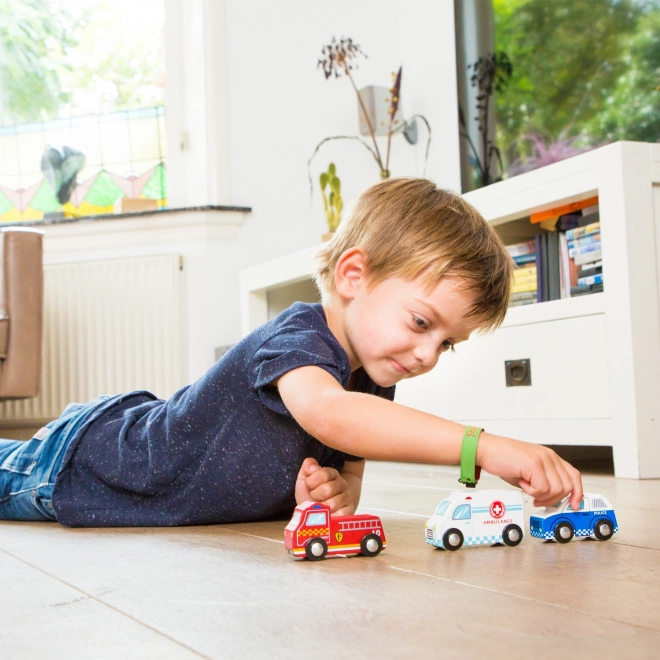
<point>561,523</point>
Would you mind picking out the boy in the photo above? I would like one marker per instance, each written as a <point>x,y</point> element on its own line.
<point>290,413</point>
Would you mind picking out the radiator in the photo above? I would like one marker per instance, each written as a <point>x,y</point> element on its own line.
<point>110,326</point>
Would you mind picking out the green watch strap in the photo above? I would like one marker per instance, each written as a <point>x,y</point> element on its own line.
<point>470,472</point>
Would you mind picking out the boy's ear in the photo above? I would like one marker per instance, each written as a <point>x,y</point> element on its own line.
<point>350,272</point>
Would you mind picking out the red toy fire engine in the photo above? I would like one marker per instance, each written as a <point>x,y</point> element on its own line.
<point>313,533</point>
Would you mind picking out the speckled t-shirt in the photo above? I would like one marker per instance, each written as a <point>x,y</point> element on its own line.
<point>224,449</point>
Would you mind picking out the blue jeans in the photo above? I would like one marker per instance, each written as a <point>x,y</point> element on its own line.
<point>28,469</point>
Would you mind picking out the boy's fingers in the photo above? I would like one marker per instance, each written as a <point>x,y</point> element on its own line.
<point>567,482</point>
<point>309,466</point>
<point>320,476</point>
<point>538,482</point>
<point>577,492</point>
<point>341,505</point>
<point>328,489</point>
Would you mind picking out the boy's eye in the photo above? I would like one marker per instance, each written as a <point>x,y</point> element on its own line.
<point>447,345</point>
<point>420,323</point>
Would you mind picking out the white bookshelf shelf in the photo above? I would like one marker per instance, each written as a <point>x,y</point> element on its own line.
<point>595,359</point>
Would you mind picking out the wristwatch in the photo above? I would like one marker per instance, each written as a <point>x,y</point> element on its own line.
<point>470,471</point>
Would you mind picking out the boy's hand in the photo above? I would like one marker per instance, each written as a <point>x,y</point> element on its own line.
<point>534,468</point>
<point>324,484</point>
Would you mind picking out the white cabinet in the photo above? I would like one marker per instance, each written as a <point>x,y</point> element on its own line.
<point>595,360</point>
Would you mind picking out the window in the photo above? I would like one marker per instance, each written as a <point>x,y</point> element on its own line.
<point>92,80</point>
<point>608,75</point>
<point>581,508</point>
<point>567,89</point>
<point>442,508</point>
<point>463,512</point>
<point>293,523</point>
<point>314,519</point>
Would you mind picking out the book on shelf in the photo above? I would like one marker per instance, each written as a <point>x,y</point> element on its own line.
<point>584,249</point>
<point>523,286</point>
<point>590,279</point>
<point>524,279</point>
<point>520,303</point>
<point>584,289</point>
<point>548,280</point>
<point>520,249</point>
<point>524,295</point>
<point>523,272</point>
<point>592,228</point>
<point>541,289</point>
<point>554,277</point>
<point>581,241</point>
<point>567,268</point>
<point>591,269</point>
<point>530,279</point>
<point>587,257</point>
<point>523,259</point>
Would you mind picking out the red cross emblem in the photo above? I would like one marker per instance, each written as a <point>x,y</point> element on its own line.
<point>497,509</point>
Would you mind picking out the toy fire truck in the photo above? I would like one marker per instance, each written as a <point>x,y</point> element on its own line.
<point>313,533</point>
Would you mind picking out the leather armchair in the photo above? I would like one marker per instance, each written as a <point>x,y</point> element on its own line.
<point>21,312</point>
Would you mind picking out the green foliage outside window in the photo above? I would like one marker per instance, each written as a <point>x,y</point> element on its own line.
<point>587,68</point>
<point>75,57</point>
<point>33,39</point>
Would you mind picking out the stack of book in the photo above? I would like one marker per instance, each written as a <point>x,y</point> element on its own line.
<point>524,277</point>
<point>568,254</point>
<point>548,262</point>
<point>584,248</point>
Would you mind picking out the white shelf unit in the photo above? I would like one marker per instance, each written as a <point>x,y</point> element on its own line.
<point>595,360</point>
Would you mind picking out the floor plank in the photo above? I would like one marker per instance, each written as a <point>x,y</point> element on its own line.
<point>232,591</point>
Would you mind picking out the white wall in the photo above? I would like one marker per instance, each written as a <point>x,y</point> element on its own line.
<point>279,106</point>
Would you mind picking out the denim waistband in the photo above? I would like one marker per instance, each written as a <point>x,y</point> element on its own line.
<point>64,428</point>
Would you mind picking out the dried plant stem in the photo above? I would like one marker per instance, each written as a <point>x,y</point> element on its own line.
<point>395,92</point>
<point>389,140</point>
<point>366,116</point>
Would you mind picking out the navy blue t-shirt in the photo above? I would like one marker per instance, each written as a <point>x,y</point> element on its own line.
<point>224,449</point>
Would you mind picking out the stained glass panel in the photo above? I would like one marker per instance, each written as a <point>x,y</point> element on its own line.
<point>125,157</point>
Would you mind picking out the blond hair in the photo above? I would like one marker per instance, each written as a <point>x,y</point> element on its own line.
<point>409,227</point>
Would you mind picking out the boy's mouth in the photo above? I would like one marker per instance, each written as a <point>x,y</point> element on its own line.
<point>400,367</point>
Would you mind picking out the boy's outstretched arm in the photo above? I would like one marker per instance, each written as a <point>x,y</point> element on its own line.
<point>340,490</point>
<point>375,428</point>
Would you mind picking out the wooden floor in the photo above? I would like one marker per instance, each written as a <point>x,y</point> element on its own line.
<point>232,591</point>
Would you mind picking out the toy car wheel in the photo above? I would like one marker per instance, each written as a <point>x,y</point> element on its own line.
<point>371,545</point>
<point>603,529</point>
<point>316,549</point>
<point>512,535</point>
<point>452,539</point>
<point>564,532</point>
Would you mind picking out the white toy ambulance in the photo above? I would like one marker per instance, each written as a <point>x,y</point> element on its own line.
<point>477,517</point>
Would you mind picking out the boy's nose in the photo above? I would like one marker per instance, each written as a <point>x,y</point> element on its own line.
<point>426,354</point>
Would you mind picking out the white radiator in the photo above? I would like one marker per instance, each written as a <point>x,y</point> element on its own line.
<point>110,326</point>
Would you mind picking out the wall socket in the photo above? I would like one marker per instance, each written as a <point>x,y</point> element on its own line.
<point>518,373</point>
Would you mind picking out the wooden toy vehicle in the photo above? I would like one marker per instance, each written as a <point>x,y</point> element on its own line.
<point>476,517</point>
<point>561,523</point>
<point>313,533</point>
